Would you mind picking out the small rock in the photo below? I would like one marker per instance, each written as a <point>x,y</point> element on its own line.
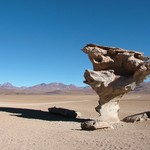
<point>95,124</point>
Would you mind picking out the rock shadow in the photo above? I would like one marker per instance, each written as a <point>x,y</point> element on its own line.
<point>38,114</point>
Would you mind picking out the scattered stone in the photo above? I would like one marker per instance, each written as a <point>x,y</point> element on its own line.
<point>138,117</point>
<point>115,72</point>
<point>65,112</point>
<point>95,124</point>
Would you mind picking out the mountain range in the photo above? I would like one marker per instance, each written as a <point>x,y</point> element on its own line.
<point>143,88</point>
<point>43,88</point>
<point>60,88</point>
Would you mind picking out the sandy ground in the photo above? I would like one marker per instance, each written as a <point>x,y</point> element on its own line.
<point>27,125</point>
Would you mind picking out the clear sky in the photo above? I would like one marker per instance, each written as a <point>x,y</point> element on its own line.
<point>41,40</point>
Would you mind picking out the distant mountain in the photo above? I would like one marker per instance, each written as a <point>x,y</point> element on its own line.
<point>60,88</point>
<point>43,88</point>
<point>143,88</point>
<point>7,85</point>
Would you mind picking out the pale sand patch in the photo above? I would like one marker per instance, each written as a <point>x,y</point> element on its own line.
<point>29,128</point>
<point>40,104</point>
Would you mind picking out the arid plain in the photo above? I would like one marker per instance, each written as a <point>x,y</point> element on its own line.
<point>26,124</point>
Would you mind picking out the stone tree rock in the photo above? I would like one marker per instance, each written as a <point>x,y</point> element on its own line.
<point>115,72</point>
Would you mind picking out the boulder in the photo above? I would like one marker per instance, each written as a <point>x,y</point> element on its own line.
<point>65,112</point>
<point>144,116</point>
<point>95,124</point>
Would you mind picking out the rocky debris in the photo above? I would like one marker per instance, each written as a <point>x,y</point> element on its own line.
<point>144,116</point>
<point>95,124</point>
<point>115,72</point>
<point>65,112</point>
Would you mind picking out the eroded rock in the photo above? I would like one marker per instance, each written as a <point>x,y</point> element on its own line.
<point>65,112</point>
<point>95,124</point>
<point>144,116</point>
<point>115,72</point>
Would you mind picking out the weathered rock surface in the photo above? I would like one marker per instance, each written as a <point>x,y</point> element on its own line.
<point>65,112</point>
<point>144,116</point>
<point>116,72</point>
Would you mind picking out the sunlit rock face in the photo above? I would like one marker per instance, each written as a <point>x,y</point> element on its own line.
<point>115,72</point>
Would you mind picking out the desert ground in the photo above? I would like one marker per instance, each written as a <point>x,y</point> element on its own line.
<point>26,124</point>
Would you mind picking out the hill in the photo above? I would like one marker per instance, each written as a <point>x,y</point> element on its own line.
<point>60,88</point>
<point>43,88</point>
<point>143,88</point>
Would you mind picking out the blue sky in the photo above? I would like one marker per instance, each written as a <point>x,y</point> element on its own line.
<point>41,40</point>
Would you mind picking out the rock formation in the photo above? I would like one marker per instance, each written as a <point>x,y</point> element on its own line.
<point>64,112</point>
<point>95,124</point>
<point>144,116</point>
<point>116,72</point>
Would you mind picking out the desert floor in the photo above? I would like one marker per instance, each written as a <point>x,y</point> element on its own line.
<point>25,124</point>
